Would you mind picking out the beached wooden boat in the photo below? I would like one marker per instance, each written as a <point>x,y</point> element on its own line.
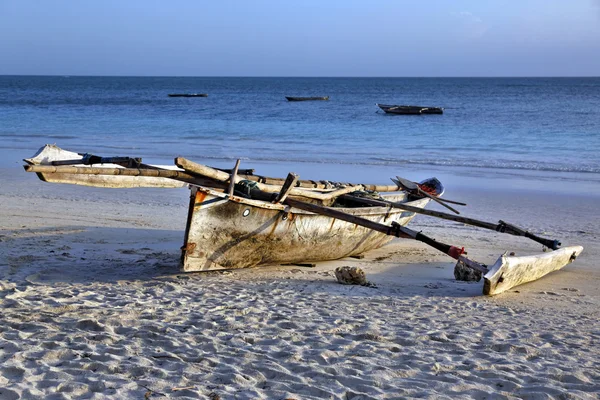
<point>188,95</point>
<point>409,110</point>
<point>237,219</point>
<point>291,98</point>
<point>237,232</point>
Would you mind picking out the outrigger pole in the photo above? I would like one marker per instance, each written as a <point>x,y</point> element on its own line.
<point>501,226</point>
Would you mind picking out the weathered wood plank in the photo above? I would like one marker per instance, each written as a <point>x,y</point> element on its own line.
<point>232,177</point>
<point>289,183</point>
<point>509,272</point>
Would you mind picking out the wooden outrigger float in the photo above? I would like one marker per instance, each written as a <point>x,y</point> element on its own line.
<point>237,219</point>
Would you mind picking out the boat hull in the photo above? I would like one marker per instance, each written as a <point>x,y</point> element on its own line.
<point>410,110</point>
<point>188,95</point>
<point>290,98</point>
<point>227,233</point>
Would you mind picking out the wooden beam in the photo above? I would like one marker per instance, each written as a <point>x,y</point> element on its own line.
<point>288,185</point>
<point>232,177</point>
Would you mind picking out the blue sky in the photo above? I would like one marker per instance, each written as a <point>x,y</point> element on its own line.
<point>301,38</point>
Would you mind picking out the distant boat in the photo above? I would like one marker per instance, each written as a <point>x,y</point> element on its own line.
<point>409,110</point>
<point>289,98</point>
<point>188,95</point>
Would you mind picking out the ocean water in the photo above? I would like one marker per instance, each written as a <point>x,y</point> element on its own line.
<point>497,126</point>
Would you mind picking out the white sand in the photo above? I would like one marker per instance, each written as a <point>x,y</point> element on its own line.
<point>93,306</point>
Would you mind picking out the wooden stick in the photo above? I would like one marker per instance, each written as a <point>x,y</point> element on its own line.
<point>242,171</point>
<point>232,177</point>
<point>200,169</point>
<point>445,200</point>
<point>434,198</point>
<point>290,182</point>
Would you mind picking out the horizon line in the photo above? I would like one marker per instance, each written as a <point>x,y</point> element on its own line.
<point>303,77</point>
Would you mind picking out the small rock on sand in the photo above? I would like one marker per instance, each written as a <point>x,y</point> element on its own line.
<point>351,276</point>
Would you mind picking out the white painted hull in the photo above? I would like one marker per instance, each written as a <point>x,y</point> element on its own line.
<point>224,233</point>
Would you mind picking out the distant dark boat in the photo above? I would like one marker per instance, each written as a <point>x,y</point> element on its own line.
<point>410,110</point>
<point>306,98</point>
<point>188,95</point>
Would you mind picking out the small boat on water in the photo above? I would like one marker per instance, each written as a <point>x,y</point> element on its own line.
<point>188,95</point>
<point>290,98</point>
<point>409,110</point>
<point>237,219</point>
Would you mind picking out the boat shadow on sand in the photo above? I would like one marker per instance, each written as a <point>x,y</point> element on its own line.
<point>74,255</point>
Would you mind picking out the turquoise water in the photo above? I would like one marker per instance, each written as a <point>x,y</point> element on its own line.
<point>515,126</point>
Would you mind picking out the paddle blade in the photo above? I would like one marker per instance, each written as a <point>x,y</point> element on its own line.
<point>405,183</point>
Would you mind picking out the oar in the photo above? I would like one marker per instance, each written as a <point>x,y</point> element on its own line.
<point>414,188</point>
<point>406,183</point>
<point>501,226</point>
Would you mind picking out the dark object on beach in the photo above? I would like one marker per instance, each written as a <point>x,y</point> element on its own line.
<point>351,276</point>
<point>289,98</point>
<point>306,265</point>
<point>188,95</point>
<point>409,110</point>
<point>464,273</point>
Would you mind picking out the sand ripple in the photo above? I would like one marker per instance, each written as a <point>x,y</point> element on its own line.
<point>217,335</point>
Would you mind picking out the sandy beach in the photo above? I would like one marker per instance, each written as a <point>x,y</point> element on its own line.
<point>94,306</point>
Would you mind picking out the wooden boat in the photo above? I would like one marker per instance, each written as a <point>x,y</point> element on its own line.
<point>409,110</point>
<point>235,232</point>
<point>237,219</point>
<point>290,98</point>
<point>188,95</point>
